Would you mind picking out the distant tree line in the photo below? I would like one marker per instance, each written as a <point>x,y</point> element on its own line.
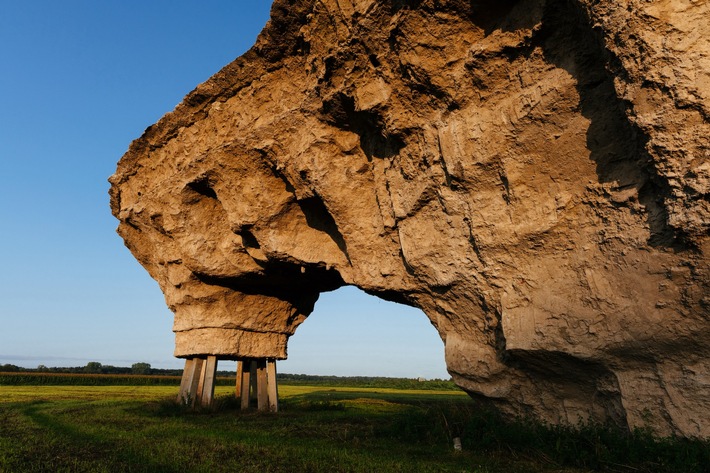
<point>94,367</point>
<point>366,382</point>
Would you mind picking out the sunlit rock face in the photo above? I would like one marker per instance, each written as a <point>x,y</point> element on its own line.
<point>533,175</point>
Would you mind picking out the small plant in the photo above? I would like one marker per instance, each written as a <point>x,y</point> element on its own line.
<point>186,400</point>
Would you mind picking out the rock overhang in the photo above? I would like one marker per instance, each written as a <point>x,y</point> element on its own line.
<point>531,176</point>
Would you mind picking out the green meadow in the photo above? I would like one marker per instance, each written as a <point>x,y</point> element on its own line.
<point>139,428</point>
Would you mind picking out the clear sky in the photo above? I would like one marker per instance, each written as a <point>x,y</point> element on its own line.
<point>79,80</point>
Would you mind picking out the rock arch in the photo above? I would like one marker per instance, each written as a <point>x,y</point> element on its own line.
<point>535,182</point>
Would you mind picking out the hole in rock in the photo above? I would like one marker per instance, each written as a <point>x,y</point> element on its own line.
<point>351,333</point>
<point>248,239</point>
<point>203,187</point>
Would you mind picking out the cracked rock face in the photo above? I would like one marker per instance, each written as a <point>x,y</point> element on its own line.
<point>534,175</point>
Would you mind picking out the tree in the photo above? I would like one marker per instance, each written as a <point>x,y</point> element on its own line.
<point>140,368</point>
<point>93,367</point>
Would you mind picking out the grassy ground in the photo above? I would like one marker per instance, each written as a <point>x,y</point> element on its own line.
<point>140,429</point>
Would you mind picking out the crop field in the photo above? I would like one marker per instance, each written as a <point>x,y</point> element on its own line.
<point>139,428</point>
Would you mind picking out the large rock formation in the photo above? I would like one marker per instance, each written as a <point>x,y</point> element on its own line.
<point>534,175</point>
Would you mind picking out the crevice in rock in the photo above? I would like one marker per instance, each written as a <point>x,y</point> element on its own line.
<point>129,221</point>
<point>506,185</point>
<point>445,170</point>
<point>318,218</point>
<point>248,239</point>
<point>158,223</point>
<point>373,60</point>
<point>419,81</point>
<point>452,182</point>
<point>616,146</point>
<point>499,335</point>
<point>375,141</point>
<point>472,241</point>
<point>407,267</point>
<point>289,187</point>
<point>329,65</point>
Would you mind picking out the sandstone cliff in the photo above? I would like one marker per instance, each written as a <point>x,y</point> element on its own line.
<point>534,175</point>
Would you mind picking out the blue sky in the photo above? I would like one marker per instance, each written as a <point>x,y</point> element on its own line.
<point>80,80</point>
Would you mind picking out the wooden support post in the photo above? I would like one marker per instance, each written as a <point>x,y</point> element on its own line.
<point>195,380</point>
<point>262,394</point>
<point>190,380</point>
<point>246,382</point>
<point>185,382</point>
<point>256,379</point>
<point>238,390</point>
<point>273,391</point>
<point>200,383</point>
<point>252,380</point>
<point>210,371</point>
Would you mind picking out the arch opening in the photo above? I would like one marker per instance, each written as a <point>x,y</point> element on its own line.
<point>352,333</point>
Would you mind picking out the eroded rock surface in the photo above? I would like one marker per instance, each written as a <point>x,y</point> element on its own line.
<point>534,175</point>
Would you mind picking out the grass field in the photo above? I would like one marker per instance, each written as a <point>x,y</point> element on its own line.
<point>319,429</point>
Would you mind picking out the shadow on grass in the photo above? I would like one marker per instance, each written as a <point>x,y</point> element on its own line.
<point>82,450</point>
<point>434,420</point>
<point>330,430</point>
<point>428,419</point>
